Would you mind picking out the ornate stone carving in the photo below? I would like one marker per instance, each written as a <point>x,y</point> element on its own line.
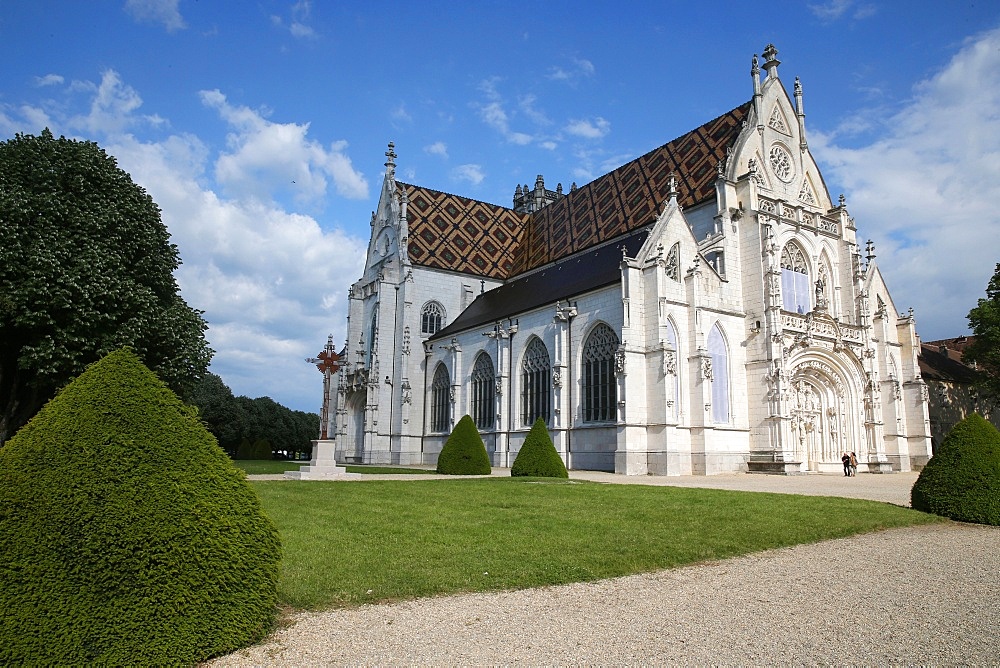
<point>556,378</point>
<point>620,360</point>
<point>669,362</point>
<point>706,368</point>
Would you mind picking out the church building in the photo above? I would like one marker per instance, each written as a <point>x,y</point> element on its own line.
<point>705,308</point>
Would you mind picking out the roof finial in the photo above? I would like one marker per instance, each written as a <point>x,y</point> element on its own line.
<point>771,61</point>
<point>870,250</point>
<point>390,163</point>
<point>672,193</point>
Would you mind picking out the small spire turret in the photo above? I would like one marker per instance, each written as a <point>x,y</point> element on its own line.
<point>771,61</point>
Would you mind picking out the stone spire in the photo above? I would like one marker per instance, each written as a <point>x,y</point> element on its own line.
<point>390,163</point>
<point>800,113</point>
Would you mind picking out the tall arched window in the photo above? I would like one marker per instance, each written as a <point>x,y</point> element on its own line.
<point>373,339</point>
<point>536,383</point>
<point>795,288</point>
<point>441,399</point>
<point>484,392</point>
<point>431,318</point>
<point>600,387</point>
<point>719,352</point>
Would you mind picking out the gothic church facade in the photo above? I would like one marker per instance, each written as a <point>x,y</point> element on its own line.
<point>703,309</point>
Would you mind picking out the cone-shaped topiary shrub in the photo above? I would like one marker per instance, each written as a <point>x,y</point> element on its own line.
<point>962,481</point>
<point>464,452</point>
<point>537,456</point>
<point>126,534</point>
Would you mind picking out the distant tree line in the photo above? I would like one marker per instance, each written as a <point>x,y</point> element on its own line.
<point>253,428</point>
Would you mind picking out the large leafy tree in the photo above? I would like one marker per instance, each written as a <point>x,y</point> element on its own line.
<point>984,320</point>
<point>86,267</point>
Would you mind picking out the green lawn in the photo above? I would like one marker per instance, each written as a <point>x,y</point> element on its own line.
<point>257,466</point>
<point>349,543</point>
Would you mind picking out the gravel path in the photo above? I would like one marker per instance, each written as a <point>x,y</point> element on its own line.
<point>923,595</point>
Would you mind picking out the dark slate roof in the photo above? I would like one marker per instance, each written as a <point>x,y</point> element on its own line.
<point>568,278</point>
<point>462,234</point>
<point>942,360</point>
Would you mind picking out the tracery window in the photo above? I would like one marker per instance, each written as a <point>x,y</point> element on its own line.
<point>600,387</point>
<point>777,121</point>
<point>431,318</point>
<point>673,262</point>
<point>719,353</point>
<point>484,392</point>
<point>536,383</point>
<point>795,288</point>
<point>781,163</point>
<point>806,193</point>
<point>441,399</point>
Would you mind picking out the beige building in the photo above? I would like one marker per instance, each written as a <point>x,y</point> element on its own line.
<point>705,308</point>
<point>951,387</point>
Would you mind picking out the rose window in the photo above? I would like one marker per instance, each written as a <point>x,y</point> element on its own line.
<point>781,163</point>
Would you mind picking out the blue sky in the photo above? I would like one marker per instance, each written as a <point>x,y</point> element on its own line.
<point>260,129</point>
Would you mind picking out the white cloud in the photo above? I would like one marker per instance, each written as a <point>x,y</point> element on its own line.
<point>926,191</point>
<point>164,12</point>
<point>835,9</point>
<point>471,173</point>
<point>527,105</point>
<point>272,282</point>
<point>298,23</point>
<point>595,129</point>
<point>49,80</point>
<point>437,148</point>
<point>400,116</point>
<point>494,115</point>
<point>112,107</point>
<point>278,157</point>
<point>581,67</point>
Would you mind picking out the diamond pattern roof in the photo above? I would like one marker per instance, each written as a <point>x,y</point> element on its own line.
<point>462,234</point>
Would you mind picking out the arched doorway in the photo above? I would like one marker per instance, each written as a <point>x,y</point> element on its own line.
<point>355,424</point>
<point>825,413</point>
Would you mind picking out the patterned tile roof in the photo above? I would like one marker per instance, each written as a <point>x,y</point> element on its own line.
<point>632,195</point>
<point>462,234</point>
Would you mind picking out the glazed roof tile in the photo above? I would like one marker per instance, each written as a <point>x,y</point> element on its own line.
<point>462,234</point>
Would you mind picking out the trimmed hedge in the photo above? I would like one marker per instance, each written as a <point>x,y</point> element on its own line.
<point>126,534</point>
<point>538,456</point>
<point>962,481</point>
<point>464,452</point>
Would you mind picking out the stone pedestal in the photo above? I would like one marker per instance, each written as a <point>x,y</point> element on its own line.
<point>323,465</point>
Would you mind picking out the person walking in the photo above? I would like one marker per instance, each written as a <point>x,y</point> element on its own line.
<point>854,464</point>
<point>846,459</point>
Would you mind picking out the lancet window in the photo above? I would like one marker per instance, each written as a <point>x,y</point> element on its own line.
<point>536,383</point>
<point>719,354</point>
<point>484,392</point>
<point>431,318</point>
<point>441,400</point>
<point>600,387</point>
<point>795,288</point>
